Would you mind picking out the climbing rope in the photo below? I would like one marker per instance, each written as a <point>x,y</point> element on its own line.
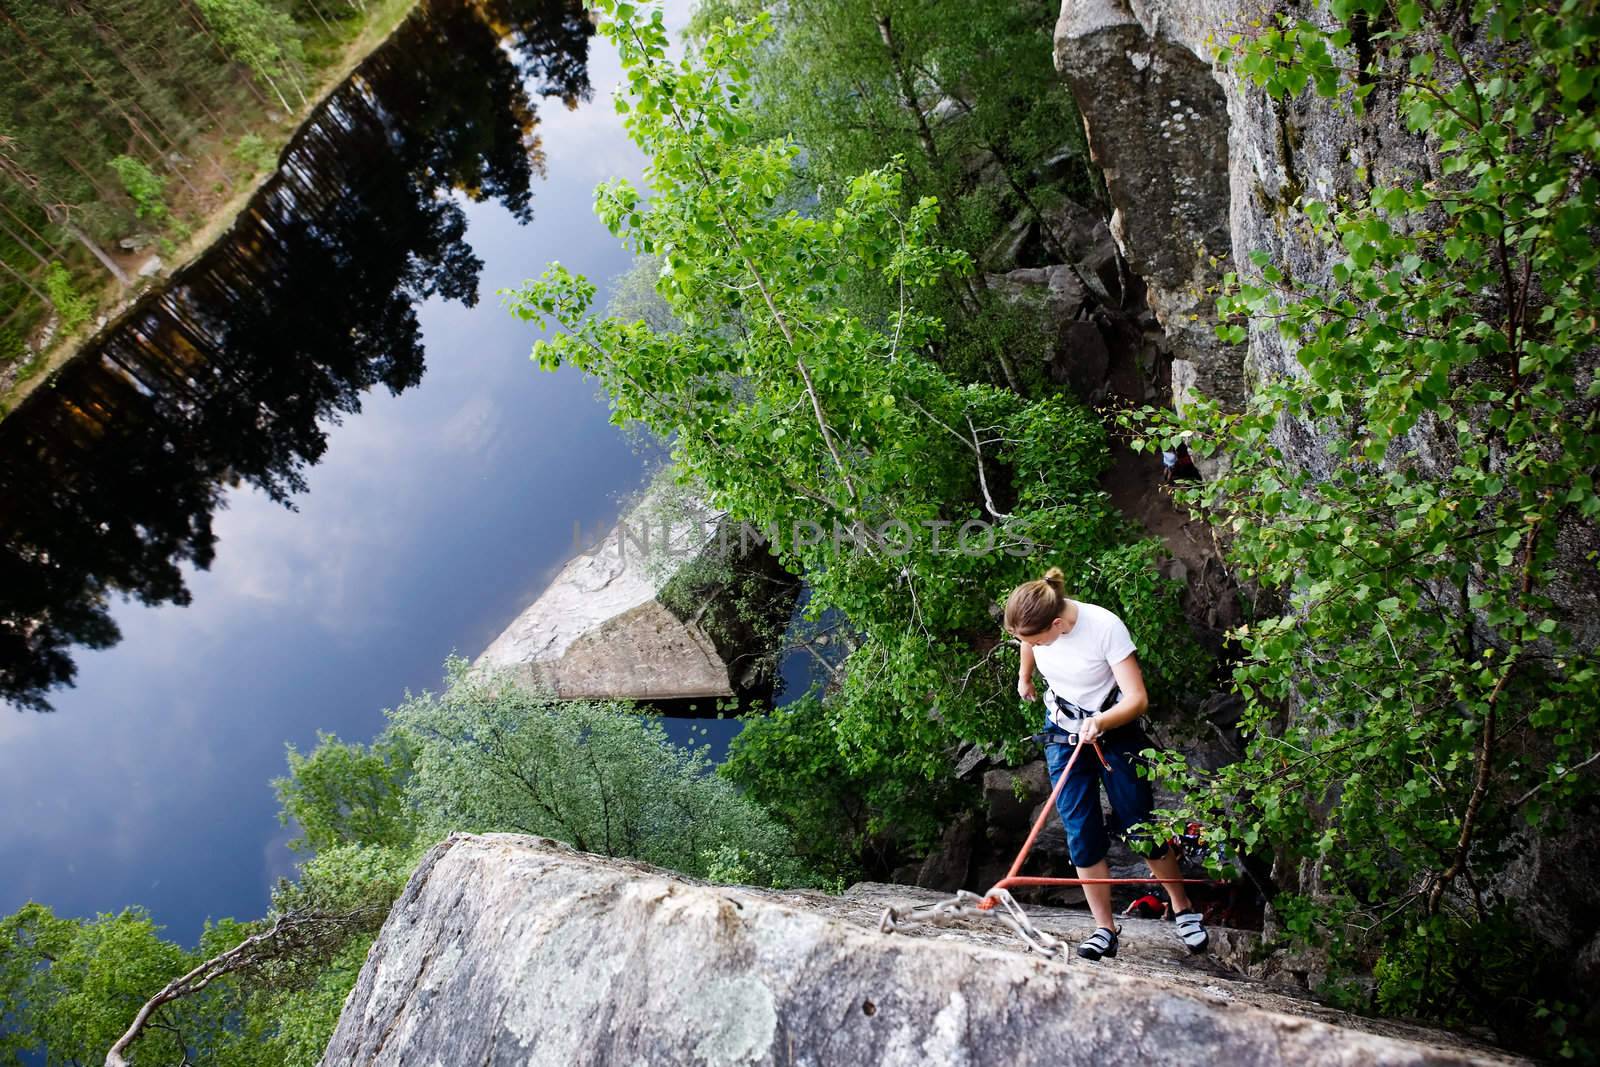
<point>967,905</point>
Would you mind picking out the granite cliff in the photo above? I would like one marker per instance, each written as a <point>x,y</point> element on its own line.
<point>507,949</point>
<point>1202,169</point>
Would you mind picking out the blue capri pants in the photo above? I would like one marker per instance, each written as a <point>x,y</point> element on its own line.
<point>1132,798</point>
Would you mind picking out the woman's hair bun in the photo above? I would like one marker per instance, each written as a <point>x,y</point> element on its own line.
<point>1033,605</point>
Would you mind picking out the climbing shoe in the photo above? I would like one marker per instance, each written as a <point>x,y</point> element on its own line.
<point>1191,930</point>
<point>1102,942</point>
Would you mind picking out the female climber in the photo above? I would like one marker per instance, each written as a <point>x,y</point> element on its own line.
<point>1096,693</point>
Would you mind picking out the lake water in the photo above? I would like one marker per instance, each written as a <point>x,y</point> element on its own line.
<point>423,523</point>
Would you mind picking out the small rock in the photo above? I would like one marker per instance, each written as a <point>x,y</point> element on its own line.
<point>946,869</point>
<point>969,759</point>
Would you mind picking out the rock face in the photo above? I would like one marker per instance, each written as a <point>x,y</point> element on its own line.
<point>1157,126</point>
<point>599,632</point>
<point>508,949</point>
<point>1203,170</point>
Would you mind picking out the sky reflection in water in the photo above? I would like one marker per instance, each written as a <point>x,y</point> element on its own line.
<point>433,519</point>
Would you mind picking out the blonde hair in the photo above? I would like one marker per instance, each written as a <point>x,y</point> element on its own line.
<point>1032,606</point>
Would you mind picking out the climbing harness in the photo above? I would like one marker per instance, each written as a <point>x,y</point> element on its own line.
<point>971,905</point>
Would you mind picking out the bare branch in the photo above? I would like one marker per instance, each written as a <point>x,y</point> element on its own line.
<point>292,931</point>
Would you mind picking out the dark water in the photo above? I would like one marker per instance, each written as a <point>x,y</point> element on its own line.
<point>234,374</point>
<point>344,354</point>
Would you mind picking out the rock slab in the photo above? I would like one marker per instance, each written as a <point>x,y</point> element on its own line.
<point>519,950</point>
<point>599,632</point>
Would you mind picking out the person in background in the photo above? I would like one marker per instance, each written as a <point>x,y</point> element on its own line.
<point>1148,906</point>
<point>1178,466</point>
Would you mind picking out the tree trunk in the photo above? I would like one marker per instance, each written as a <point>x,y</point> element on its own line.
<point>287,110</point>
<point>317,11</point>
<point>908,94</point>
<point>137,72</point>
<point>23,278</point>
<point>20,221</point>
<point>205,28</point>
<point>99,253</point>
<point>133,124</point>
<point>57,213</point>
<point>23,244</point>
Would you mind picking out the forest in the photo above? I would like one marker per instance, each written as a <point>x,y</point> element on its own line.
<point>1418,687</point>
<point>128,126</point>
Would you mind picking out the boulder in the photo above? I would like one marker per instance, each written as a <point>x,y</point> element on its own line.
<point>1004,811</point>
<point>601,630</point>
<point>506,949</point>
<point>947,866</point>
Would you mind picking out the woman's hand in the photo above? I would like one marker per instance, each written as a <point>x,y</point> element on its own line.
<point>1025,689</point>
<point>1091,730</point>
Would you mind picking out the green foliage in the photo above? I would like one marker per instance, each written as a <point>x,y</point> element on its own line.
<point>13,344</point>
<point>260,36</point>
<point>145,186</point>
<point>942,82</point>
<point>790,762</point>
<point>634,297</point>
<point>282,1013</point>
<point>802,416</point>
<point>69,987</point>
<point>347,876</point>
<point>345,793</point>
<point>290,1026</point>
<point>492,755</point>
<point>73,308</point>
<point>964,93</point>
<point>89,87</point>
<point>254,153</point>
<point>486,755</point>
<point>1423,698</point>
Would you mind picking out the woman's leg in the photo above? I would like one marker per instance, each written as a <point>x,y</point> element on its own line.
<point>1099,896</point>
<point>1132,798</point>
<point>1079,807</point>
<point>1166,869</point>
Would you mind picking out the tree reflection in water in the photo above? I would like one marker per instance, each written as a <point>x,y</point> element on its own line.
<point>110,476</point>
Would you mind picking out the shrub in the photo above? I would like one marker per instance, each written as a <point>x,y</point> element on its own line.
<point>73,308</point>
<point>143,184</point>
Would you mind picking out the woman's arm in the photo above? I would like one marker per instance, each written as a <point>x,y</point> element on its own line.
<point>1133,704</point>
<point>1025,688</point>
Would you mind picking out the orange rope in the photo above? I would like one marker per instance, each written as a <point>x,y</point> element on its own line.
<point>1012,878</point>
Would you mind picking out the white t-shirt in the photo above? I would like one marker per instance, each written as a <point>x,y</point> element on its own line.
<point>1077,664</point>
